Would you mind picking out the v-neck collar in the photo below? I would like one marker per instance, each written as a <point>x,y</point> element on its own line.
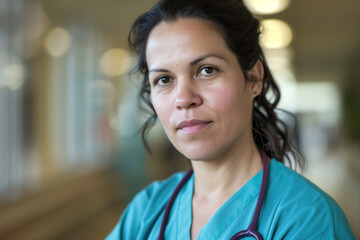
<point>223,218</point>
<point>184,214</point>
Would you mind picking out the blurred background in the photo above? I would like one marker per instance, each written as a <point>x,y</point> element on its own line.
<point>70,155</point>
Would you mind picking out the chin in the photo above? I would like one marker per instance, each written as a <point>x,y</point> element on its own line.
<point>197,153</point>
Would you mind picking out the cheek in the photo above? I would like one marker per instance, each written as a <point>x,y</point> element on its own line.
<point>162,110</point>
<point>225,97</point>
<point>234,103</point>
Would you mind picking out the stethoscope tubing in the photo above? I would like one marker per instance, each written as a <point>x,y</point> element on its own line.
<point>251,231</point>
<point>171,202</point>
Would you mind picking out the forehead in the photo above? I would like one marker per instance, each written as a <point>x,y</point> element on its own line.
<point>183,36</point>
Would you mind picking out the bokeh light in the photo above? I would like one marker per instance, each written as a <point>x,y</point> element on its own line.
<point>13,76</point>
<point>276,34</point>
<point>58,42</point>
<point>115,62</point>
<point>267,6</point>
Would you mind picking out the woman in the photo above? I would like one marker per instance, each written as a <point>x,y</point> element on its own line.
<point>206,79</point>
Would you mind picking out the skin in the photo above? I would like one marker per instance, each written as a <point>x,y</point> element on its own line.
<point>192,80</point>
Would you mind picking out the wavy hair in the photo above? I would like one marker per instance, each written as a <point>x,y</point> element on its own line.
<point>241,32</point>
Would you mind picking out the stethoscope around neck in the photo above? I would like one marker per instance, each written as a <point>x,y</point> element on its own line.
<point>250,231</point>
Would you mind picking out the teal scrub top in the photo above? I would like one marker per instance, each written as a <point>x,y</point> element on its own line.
<point>293,208</point>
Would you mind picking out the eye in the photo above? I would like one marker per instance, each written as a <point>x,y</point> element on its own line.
<point>162,81</point>
<point>207,71</point>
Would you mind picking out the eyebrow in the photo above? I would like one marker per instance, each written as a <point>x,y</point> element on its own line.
<point>199,59</point>
<point>159,70</point>
<point>192,63</point>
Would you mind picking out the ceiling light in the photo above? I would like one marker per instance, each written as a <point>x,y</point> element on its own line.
<point>267,6</point>
<point>58,42</point>
<point>115,62</point>
<point>276,34</point>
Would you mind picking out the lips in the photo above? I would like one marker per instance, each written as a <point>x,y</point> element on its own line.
<point>192,126</point>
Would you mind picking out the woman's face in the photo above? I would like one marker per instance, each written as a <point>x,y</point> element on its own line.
<point>198,89</point>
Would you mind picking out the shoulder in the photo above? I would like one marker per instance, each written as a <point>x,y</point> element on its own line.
<point>293,187</point>
<point>156,195</point>
<point>145,208</point>
<point>153,199</point>
<point>301,206</point>
<point>160,189</point>
<point>292,184</point>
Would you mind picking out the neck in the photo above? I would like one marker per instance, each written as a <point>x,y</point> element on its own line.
<point>223,177</point>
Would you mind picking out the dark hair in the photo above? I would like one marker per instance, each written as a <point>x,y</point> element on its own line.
<point>241,32</point>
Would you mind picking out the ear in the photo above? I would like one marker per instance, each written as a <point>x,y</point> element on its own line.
<point>256,75</point>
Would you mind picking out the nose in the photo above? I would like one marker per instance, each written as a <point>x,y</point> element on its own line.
<point>187,96</point>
